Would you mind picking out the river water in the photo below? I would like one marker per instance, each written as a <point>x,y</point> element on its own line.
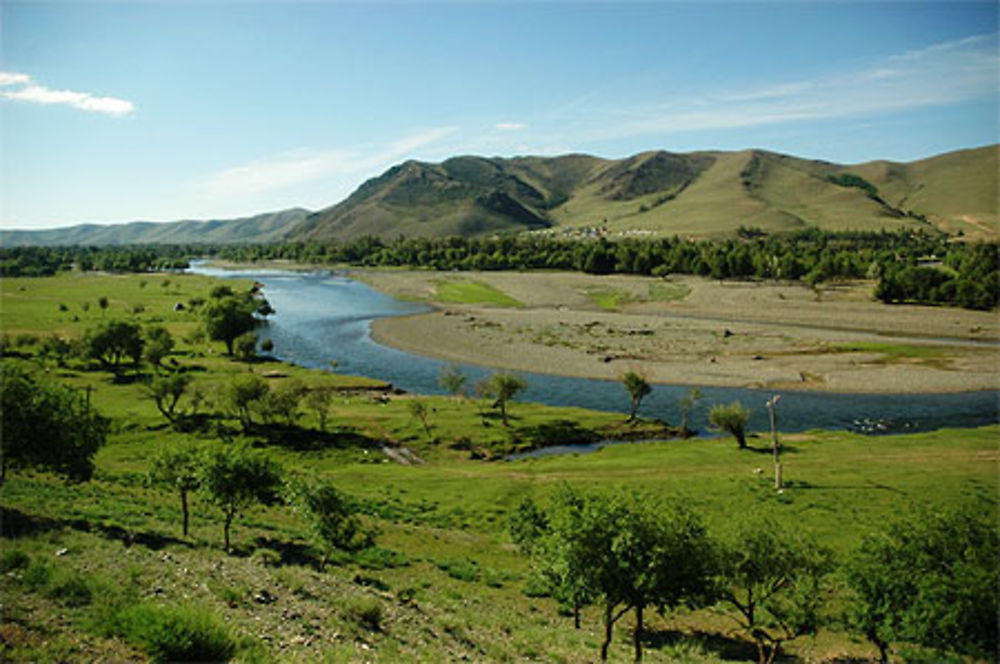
<point>323,318</point>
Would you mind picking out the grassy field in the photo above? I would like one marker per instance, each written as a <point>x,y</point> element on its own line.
<point>444,582</point>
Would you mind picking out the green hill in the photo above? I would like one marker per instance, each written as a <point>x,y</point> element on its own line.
<point>267,227</point>
<point>696,194</point>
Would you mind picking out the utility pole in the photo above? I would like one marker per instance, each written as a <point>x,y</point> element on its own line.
<point>775,445</point>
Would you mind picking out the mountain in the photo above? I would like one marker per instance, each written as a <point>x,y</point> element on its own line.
<point>695,194</point>
<point>267,227</point>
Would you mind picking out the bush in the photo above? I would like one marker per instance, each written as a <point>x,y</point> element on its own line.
<point>170,634</point>
<point>365,612</point>
<point>70,588</point>
<point>13,559</point>
<point>37,575</point>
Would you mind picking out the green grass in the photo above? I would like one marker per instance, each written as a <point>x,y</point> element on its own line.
<point>611,299</point>
<point>461,291</point>
<point>891,353</point>
<point>667,292</point>
<point>444,580</point>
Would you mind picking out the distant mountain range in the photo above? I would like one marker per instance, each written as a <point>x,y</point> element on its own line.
<point>692,194</point>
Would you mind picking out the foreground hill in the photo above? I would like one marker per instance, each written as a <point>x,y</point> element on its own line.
<point>700,193</point>
<point>694,194</point>
<point>267,227</point>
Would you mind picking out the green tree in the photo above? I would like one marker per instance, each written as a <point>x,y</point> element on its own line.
<point>687,404</point>
<point>333,517</point>
<point>732,419</point>
<point>930,579</point>
<point>113,341</point>
<point>243,394</point>
<point>235,478</point>
<point>167,391</point>
<point>452,379</point>
<point>159,344</point>
<point>503,387</point>
<point>637,387</point>
<point>229,316</point>
<point>102,302</point>
<point>46,426</point>
<point>774,580</point>
<point>245,347</point>
<point>282,402</point>
<point>179,468</point>
<point>418,409</point>
<point>318,400</point>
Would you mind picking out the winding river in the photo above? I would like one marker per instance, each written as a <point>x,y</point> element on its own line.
<point>323,318</point>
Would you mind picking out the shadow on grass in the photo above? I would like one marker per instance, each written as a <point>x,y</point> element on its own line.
<point>557,432</point>
<point>15,524</point>
<point>308,440</point>
<point>726,648</point>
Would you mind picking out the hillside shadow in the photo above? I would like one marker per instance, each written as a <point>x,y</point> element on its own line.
<point>15,523</point>
<point>723,647</point>
<point>310,440</point>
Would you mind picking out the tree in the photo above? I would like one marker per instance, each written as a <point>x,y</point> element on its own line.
<point>102,302</point>
<point>242,394</point>
<point>732,419</point>
<point>235,478</point>
<point>503,387</point>
<point>930,579</point>
<point>179,468</point>
<point>333,517</point>
<point>773,578</point>
<point>418,409</point>
<point>46,426</point>
<point>245,347</point>
<point>282,402</point>
<point>229,316</point>
<point>167,391</point>
<point>318,400</point>
<point>452,379</point>
<point>626,550</point>
<point>159,344</point>
<point>687,403</point>
<point>113,341</point>
<point>637,387</point>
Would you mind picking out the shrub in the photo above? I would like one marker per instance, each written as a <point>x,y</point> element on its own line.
<point>70,588</point>
<point>37,575</point>
<point>365,612</point>
<point>169,634</point>
<point>13,559</point>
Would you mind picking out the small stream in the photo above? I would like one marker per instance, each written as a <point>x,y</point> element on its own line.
<point>323,318</point>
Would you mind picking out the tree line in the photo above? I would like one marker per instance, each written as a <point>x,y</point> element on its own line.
<point>928,580</point>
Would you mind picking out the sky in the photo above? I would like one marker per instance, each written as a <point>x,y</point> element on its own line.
<point>122,111</point>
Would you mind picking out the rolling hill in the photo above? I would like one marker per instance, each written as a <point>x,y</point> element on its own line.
<point>697,194</point>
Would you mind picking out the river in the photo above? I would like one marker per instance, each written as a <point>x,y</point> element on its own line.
<point>324,318</point>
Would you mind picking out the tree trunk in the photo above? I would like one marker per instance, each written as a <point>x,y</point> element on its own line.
<point>608,625</point>
<point>225,530</point>
<point>576,615</point>
<point>741,439</point>
<point>883,647</point>
<point>638,633</point>
<point>503,413</point>
<point>184,509</point>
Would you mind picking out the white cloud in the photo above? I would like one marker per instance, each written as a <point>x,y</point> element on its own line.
<point>940,74</point>
<point>509,126</point>
<point>39,94</point>
<point>283,170</point>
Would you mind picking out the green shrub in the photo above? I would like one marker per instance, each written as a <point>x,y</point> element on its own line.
<point>458,568</point>
<point>37,575</point>
<point>169,634</point>
<point>13,559</point>
<point>70,588</point>
<point>376,558</point>
<point>365,612</point>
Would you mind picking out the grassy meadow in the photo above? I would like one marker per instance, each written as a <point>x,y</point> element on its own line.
<point>89,570</point>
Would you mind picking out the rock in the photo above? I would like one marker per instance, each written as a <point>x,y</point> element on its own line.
<point>727,333</point>
<point>606,359</point>
<point>62,552</point>
<point>262,596</point>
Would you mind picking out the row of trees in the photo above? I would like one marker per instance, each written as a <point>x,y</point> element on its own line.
<point>47,261</point>
<point>929,580</point>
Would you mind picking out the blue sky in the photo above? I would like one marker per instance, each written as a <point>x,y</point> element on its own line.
<point>136,110</point>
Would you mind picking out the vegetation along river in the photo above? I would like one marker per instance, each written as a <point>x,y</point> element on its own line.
<point>323,318</point>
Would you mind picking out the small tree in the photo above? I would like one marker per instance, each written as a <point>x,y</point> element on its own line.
<point>228,316</point>
<point>638,388</point>
<point>245,347</point>
<point>159,344</point>
<point>114,341</point>
<point>318,400</point>
<point>46,426</point>
<point>453,380</point>
<point>773,578</point>
<point>930,579</point>
<point>333,518</point>
<point>282,402</point>
<point>179,468</point>
<point>687,404</point>
<point>235,478</point>
<point>503,387</point>
<point>418,409</point>
<point>167,391</point>
<point>243,394</point>
<point>102,302</point>
<point>732,419</point>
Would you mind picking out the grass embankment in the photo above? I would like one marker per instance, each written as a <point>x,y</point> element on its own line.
<point>92,569</point>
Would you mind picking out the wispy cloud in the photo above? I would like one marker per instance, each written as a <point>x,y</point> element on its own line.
<point>290,168</point>
<point>31,92</point>
<point>940,74</point>
<point>509,126</point>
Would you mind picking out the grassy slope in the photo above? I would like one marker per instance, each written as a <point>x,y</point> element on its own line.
<point>460,591</point>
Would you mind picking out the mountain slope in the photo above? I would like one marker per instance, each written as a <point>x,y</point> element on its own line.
<point>697,194</point>
<point>267,227</point>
